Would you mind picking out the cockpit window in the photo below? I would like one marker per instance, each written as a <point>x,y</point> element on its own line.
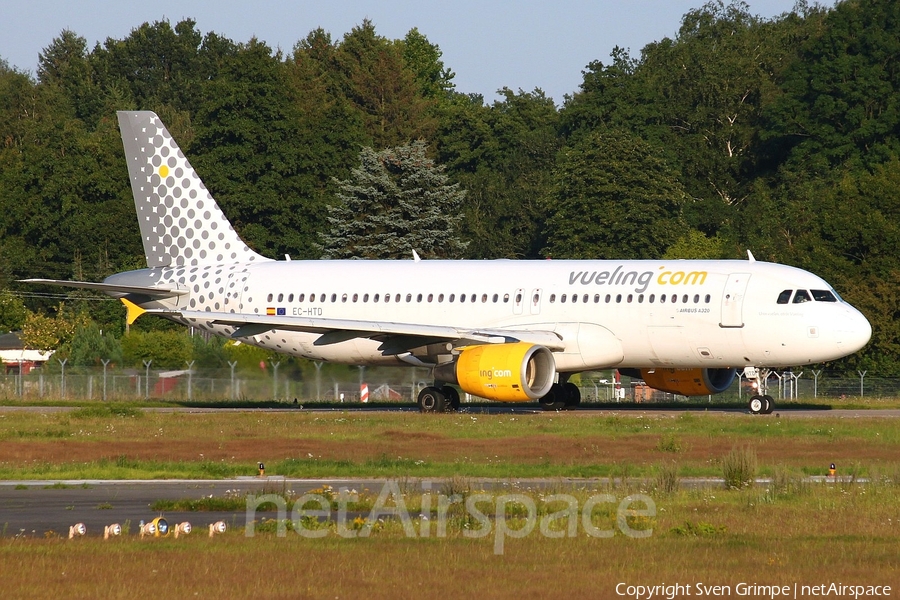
<point>801,296</point>
<point>785,296</point>
<point>823,296</point>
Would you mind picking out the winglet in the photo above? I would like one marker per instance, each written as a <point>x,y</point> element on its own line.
<point>134,311</point>
<point>750,256</point>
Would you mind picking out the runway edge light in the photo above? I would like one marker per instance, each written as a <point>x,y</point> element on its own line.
<point>148,529</point>
<point>112,531</point>
<point>182,529</point>
<point>217,528</point>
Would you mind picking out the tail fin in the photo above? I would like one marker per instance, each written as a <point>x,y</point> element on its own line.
<point>180,222</point>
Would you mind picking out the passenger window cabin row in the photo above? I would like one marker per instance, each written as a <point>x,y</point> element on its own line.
<point>494,298</point>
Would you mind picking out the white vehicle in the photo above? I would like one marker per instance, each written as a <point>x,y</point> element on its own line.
<point>503,330</point>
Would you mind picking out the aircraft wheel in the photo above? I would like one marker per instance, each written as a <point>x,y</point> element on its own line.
<point>757,404</point>
<point>451,402</point>
<point>431,400</point>
<point>573,395</point>
<point>770,404</point>
<point>555,398</point>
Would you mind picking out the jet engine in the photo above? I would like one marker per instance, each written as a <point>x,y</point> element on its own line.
<point>689,382</point>
<point>515,372</point>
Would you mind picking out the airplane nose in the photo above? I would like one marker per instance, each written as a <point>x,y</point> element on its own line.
<point>855,332</point>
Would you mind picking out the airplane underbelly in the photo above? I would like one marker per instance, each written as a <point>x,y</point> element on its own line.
<point>677,346</point>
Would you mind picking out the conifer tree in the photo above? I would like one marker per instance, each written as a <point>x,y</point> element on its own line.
<point>395,202</point>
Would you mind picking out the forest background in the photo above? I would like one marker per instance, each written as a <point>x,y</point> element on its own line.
<point>779,135</point>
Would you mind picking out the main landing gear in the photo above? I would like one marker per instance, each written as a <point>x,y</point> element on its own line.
<point>762,405</point>
<point>433,399</point>
<point>561,396</point>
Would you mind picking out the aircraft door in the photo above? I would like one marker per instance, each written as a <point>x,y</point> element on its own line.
<point>519,298</point>
<point>535,301</point>
<point>234,290</point>
<point>733,300</point>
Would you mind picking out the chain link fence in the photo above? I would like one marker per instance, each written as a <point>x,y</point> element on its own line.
<point>802,386</point>
<point>382,385</point>
<point>207,385</point>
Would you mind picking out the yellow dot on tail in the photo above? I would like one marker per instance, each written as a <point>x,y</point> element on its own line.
<point>163,171</point>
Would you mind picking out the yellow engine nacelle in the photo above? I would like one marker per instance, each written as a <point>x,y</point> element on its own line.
<point>507,372</point>
<point>689,382</point>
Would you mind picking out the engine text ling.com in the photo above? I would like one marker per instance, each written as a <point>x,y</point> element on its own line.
<point>477,515</point>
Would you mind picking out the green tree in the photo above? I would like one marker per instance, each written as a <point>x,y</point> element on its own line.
<point>167,349</point>
<point>90,346</point>
<point>12,312</point>
<point>67,193</point>
<point>395,202</point>
<point>246,148</point>
<point>712,84</point>
<point>41,332</point>
<point>424,60</point>
<point>503,156</point>
<point>695,245</point>
<point>250,358</point>
<point>373,76</point>
<point>65,64</point>
<point>158,65</point>
<point>610,96</point>
<point>841,99</point>
<point>208,352</point>
<point>613,197</point>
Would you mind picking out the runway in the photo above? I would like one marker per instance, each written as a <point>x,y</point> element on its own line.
<point>38,509</point>
<point>528,409</point>
<point>33,508</point>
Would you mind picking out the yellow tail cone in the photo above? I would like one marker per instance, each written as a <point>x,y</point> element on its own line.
<point>134,311</point>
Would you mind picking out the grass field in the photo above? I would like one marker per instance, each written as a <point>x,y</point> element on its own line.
<point>114,442</point>
<point>820,534</point>
<point>783,532</point>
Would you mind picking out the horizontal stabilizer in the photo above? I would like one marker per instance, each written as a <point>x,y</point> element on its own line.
<point>110,288</point>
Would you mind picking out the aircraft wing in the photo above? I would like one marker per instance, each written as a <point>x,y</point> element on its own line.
<point>110,288</point>
<point>396,338</point>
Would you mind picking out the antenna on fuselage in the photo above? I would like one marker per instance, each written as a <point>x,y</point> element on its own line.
<point>416,256</point>
<point>750,256</point>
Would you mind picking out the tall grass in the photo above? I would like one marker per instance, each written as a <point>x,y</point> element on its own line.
<point>666,480</point>
<point>739,467</point>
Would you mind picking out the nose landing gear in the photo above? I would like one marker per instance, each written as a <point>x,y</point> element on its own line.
<point>762,405</point>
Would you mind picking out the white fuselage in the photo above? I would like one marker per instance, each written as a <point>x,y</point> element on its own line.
<point>616,313</point>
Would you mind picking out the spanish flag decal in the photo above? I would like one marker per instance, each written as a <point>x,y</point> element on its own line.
<point>270,311</point>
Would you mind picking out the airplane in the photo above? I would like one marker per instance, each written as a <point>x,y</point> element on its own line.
<point>504,330</point>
